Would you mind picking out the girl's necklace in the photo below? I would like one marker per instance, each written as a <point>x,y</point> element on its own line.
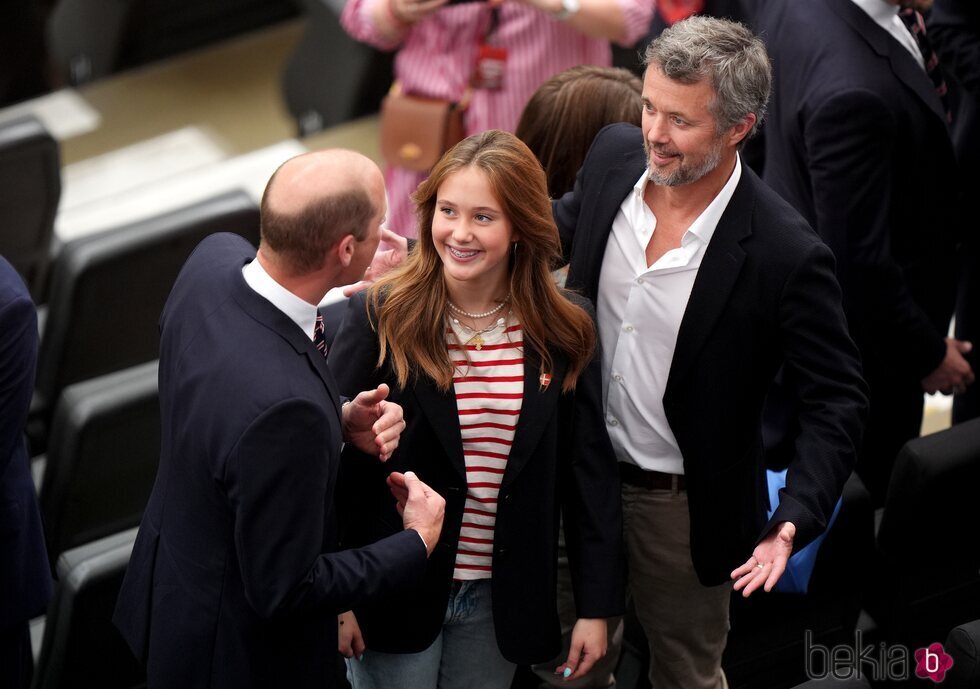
<point>477,339</point>
<point>477,316</point>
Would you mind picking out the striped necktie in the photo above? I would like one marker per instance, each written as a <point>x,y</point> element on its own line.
<point>319,338</point>
<point>917,27</point>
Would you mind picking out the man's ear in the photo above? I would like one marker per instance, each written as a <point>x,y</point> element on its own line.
<point>741,130</point>
<point>345,250</point>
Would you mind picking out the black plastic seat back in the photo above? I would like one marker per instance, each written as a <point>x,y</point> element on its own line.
<point>928,579</point>
<point>30,177</point>
<point>81,649</point>
<point>102,459</point>
<point>332,78</point>
<point>963,644</point>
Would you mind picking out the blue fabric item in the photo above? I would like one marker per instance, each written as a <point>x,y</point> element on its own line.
<point>796,579</point>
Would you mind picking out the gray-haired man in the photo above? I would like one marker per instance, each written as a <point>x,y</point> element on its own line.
<point>706,283</point>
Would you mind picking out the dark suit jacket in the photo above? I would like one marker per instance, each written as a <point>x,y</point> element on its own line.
<point>561,458</point>
<point>856,141</point>
<point>765,296</point>
<point>25,576</point>
<point>954,28</point>
<point>233,580</point>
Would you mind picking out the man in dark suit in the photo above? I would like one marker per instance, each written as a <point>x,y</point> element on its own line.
<point>857,142</point>
<point>25,576</point>
<point>234,581</point>
<point>705,284</point>
<point>954,27</point>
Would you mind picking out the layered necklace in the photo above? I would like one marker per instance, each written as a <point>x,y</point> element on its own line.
<point>477,338</point>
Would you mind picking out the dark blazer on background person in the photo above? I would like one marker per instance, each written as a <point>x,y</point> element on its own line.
<point>954,28</point>
<point>25,575</point>
<point>765,295</point>
<point>560,442</point>
<point>234,581</point>
<point>857,142</point>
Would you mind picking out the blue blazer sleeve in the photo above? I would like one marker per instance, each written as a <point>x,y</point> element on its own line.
<point>25,579</point>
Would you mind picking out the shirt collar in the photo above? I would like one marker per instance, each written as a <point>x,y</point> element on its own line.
<point>301,312</point>
<point>879,10</point>
<point>704,225</point>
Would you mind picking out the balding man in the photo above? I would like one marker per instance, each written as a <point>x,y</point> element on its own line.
<point>233,581</point>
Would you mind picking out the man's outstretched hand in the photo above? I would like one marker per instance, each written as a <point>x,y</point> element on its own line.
<point>768,561</point>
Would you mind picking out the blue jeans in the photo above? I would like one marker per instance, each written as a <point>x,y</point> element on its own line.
<point>463,656</point>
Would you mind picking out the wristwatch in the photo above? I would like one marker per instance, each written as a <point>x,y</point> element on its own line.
<point>568,8</point>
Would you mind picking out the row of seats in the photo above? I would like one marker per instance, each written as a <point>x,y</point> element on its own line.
<point>107,291</point>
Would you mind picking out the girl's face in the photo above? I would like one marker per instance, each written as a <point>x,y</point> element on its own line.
<point>471,233</point>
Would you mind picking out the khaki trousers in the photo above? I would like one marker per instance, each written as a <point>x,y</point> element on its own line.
<point>686,623</point>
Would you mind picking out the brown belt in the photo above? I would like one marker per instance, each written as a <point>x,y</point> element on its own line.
<point>651,480</point>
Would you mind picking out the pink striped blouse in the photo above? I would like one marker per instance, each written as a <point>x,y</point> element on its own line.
<point>489,385</point>
<point>436,58</point>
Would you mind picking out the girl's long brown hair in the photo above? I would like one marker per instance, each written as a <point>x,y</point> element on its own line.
<point>410,302</point>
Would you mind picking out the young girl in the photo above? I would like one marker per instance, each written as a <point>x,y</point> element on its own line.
<point>497,372</point>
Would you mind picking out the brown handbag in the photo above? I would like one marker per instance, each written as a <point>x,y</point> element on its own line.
<point>416,131</point>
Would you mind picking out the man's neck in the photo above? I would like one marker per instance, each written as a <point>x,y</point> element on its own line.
<point>309,287</point>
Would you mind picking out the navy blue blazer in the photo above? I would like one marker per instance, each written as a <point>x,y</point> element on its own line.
<point>234,580</point>
<point>561,462</point>
<point>25,575</point>
<point>857,142</point>
<point>765,296</point>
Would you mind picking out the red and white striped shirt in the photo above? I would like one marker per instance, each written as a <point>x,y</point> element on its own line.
<point>436,57</point>
<point>489,391</point>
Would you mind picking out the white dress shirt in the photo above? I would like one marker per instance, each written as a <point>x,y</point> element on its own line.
<point>886,16</point>
<point>300,312</point>
<point>640,309</point>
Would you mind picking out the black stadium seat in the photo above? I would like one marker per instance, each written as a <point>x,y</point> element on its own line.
<point>927,578</point>
<point>107,292</point>
<point>963,644</point>
<point>81,649</point>
<point>30,180</point>
<point>102,459</point>
<point>331,78</point>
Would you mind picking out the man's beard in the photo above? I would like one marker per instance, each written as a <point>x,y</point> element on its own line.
<point>684,173</point>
